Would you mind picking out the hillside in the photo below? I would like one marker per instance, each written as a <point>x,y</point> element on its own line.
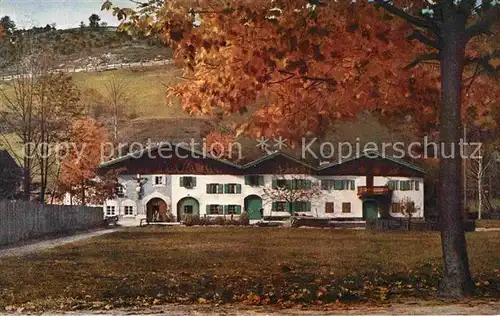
<point>83,47</point>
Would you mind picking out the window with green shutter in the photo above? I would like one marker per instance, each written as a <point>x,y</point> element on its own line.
<point>232,209</point>
<point>281,206</point>
<point>282,183</point>
<point>232,188</point>
<point>254,180</point>
<point>327,184</point>
<point>393,184</point>
<point>188,182</point>
<point>220,188</point>
<point>212,188</point>
<point>301,184</point>
<point>405,185</point>
<point>215,209</point>
<point>301,206</point>
<point>337,184</point>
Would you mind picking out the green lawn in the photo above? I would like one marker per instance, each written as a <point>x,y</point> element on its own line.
<point>143,266</point>
<point>146,93</point>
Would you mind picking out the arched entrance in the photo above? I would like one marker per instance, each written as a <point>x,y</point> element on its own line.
<point>187,206</point>
<point>253,206</point>
<point>156,210</point>
<point>370,209</point>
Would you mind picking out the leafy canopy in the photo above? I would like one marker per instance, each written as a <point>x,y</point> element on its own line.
<point>299,65</point>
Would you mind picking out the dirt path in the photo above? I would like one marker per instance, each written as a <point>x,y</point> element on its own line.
<point>51,243</point>
<point>415,308</point>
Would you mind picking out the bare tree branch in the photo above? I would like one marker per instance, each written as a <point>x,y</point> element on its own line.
<point>407,17</point>
<point>422,58</point>
<point>485,23</point>
<point>424,39</point>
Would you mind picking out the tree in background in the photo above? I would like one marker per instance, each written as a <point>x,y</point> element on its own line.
<point>288,55</point>
<point>79,167</point>
<point>57,105</point>
<point>94,21</point>
<point>478,167</point>
<point>19,114</point>
<point>8,25</point>
<point>291,195</point>
<point>408,209</point>
<point>117,94</point>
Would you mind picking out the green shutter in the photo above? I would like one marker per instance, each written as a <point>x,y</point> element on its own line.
<point>289,207</point>
<point>238,209</point>
<point>292,184</point>
<point>247,181</point>
<point>309,184</point>
<point>403,185</point>
<point>261,180</point>
<point>417,186</point>
<point>274,206</point>
<point>194,181</point>
<point>226,209</point>
<point>208,188</point>
<point>238,188</point>
<point>275,184</point>
<point>308,206</point>
<point>353,185</point>
<point>226,188</point>
<point>220,188</point>
<point>181,182</point>
<point>337,184</point>
<point>207,209</point>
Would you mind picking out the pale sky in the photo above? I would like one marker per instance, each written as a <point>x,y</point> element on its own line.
<point>65,13</point>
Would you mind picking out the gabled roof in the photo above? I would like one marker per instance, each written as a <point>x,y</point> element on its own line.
<point>6,160</point>
<point>274,155</point>
<point>366,154</point>
<point>158,146</point>
<point>370,154</point>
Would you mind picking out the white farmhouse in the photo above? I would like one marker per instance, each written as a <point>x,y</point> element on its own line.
<point>168,187</point>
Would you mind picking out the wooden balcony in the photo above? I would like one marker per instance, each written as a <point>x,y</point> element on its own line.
<point>374,191</point>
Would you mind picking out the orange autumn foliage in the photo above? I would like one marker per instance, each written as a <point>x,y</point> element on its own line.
<point>79,166</point>
<point>221,145</point>
<point>307,66</point>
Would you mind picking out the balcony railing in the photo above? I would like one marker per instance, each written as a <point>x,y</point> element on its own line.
<point>380,190</point>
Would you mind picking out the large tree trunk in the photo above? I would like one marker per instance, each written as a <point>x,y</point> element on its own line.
<point>456,281</point>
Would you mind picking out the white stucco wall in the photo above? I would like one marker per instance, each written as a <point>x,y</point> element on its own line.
<point>340,196</point>
<point>171,192</point>
<point>398,195</point>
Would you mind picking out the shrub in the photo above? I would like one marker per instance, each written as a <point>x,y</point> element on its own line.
<point>219,220</point>
<point>244,220</point>
<point>170,217</point>
<point>190,220</point>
